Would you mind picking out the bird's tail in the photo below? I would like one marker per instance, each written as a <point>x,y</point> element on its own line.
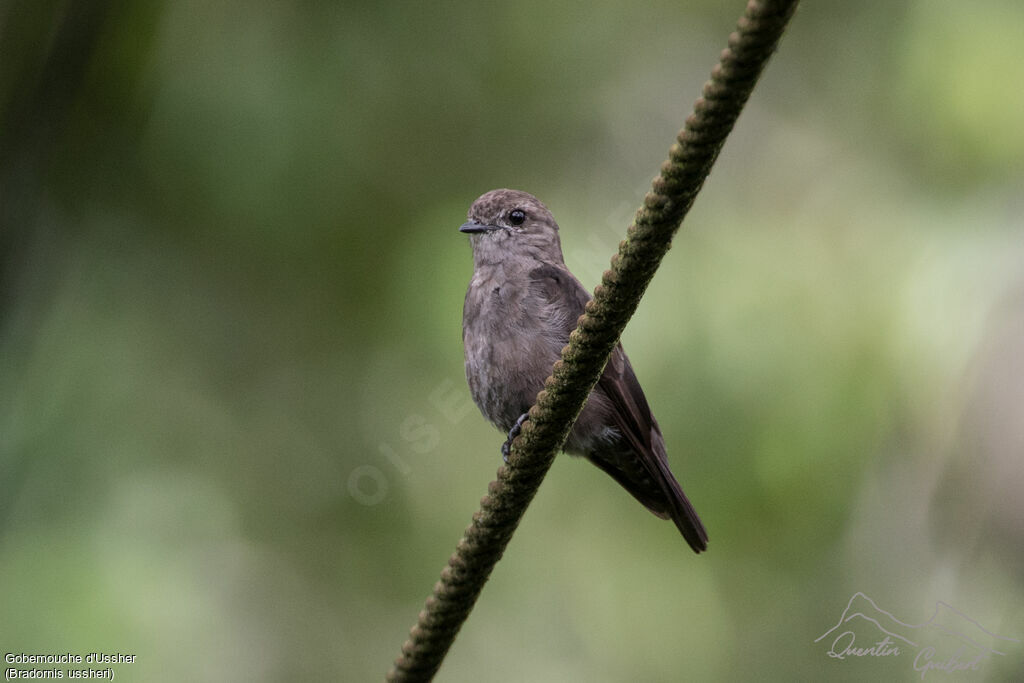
<point>666,499</point>
<point>679,509</point>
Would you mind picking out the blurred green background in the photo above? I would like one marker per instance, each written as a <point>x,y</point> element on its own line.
<point>235,436</point>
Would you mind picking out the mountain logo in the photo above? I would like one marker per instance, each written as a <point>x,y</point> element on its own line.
<point>948,641</point>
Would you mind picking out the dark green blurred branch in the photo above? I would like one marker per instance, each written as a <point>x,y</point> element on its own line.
<point>583,360</point>
<point>35,105</point>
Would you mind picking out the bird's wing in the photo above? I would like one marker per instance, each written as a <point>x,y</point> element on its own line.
<point>561,291</point>
<point>635,421</point>
<point>562,297</point>
<point>631,415</point>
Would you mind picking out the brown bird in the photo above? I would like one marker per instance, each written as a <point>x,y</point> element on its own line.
<point>520,307</point>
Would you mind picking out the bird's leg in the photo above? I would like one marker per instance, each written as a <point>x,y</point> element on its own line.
<point>512,434</point>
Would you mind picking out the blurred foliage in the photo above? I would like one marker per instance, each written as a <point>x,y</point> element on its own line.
<point>235,439</point>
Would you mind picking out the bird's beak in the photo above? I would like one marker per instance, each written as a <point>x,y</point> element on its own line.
<point>473,226</point>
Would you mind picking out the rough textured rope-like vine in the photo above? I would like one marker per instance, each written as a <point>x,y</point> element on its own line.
<point>583,359</point>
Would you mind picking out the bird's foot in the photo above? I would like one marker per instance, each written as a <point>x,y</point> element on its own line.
<point>506,447</point>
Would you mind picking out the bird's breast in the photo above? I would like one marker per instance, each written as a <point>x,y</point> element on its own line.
<point>508,347</point>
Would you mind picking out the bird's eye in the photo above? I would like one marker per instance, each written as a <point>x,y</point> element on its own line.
<point>516,217</point>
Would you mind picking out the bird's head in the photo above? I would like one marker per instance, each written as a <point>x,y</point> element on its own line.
<point>505,223</point>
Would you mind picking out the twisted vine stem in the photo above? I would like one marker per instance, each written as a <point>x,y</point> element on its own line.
<point>575,374</point>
